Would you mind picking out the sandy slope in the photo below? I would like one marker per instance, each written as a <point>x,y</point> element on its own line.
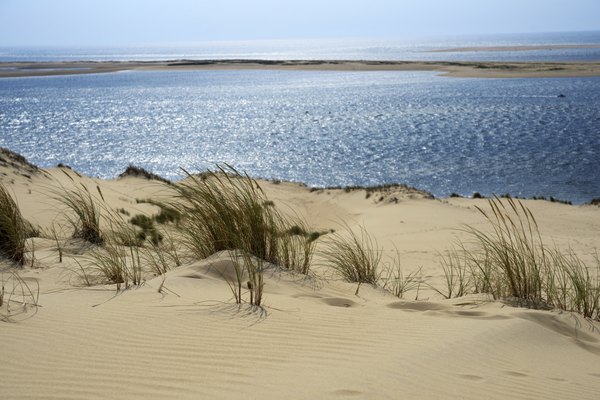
<point>314,338</point>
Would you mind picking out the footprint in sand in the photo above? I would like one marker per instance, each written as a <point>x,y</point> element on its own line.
<point>417,306</point>
<point>339,302</point>
<point>347,392</point>
<point>470,377</point>
<point>517,374</point>
<point>557,379</point>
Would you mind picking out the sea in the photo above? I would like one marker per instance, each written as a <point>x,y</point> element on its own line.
<point>525,137</point>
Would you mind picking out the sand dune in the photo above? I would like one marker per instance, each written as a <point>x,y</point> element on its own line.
<point>313,337</point>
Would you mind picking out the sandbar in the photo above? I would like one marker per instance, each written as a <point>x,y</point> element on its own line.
<point>472,69</point>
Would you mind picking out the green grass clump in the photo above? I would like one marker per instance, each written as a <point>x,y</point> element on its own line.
<point>116,264</point>
<point>142,221</point>
<point>125,258</point>
<point>13,229</point>
<point>297,246</point>
<point>148,230</point>
<point>118,261</point>
<point>226,210</point>
<point>140,172</point>
<point>511,262</point>
<point>457,274</point>
<point>167,214</point>
<point>514,249</point>
<point>397,282</point>
<point>84,211</point>
<point>573,285</point>
<point>160,258</point>
<point>355,256</point>
<point>248,274</point>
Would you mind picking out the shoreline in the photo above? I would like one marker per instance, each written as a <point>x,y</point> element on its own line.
<point>517,48</point>
<point>470,69</point>
<point>11,159</point>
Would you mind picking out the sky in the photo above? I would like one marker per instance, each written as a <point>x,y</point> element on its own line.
<point>131,22</point>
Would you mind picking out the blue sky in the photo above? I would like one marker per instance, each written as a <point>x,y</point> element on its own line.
<point>125,22</point>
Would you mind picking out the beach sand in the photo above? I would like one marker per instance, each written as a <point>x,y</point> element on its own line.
<point>453,69</point>
<point>313,337</point>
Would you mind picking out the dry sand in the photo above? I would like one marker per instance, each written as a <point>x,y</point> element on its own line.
<point>314,338</point>
<point>456,69</point>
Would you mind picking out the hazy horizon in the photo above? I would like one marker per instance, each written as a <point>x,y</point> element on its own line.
<point>93,23</point>
<point>307,40</point>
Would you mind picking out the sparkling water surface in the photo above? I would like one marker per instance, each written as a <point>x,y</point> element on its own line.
<point>322,128</point>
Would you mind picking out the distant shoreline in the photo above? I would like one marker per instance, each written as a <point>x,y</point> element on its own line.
<point>23,167</point>
<point>470,69</point>
<point>518,48</point>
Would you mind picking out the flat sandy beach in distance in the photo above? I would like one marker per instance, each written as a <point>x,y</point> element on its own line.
<point>182,336</point>
<point>456,69</point>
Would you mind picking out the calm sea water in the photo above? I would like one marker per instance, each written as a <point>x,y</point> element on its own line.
<point>322,128</point>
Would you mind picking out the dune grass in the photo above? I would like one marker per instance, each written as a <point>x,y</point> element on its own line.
<point>122,255</point>
<point>113,264</point>
<point>458,279</point>
<point>161,257</point>
<point>397,282</point>
<point>255,284</point>
<point>148,230</point>
<point>119,259</point>
<point>297,246</point>
<point>222,210</point>
<point>13,229</point>
<point>508,261</point>
<point>355,256</point>
<point>514,249</point>
<point>248,274</point>
<point>123,259</point>
<point>167,214</point>
<point>573,285</point>
<point>56,235</point>
<point>156,260</point>
<point>17,296</point>
<point>83,211</point>
<point>140,172</point>
<point>511,262</point>
<point>226,210</point>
